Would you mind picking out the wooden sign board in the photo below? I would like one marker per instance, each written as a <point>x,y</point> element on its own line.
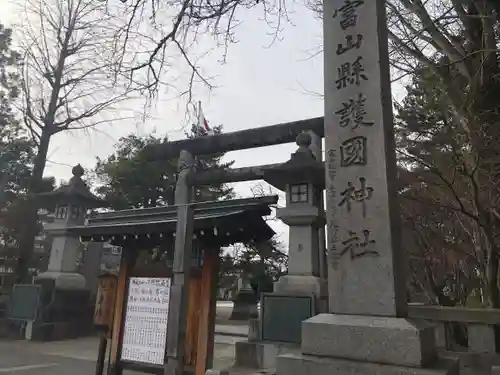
<point>105,301</point>
<point>145,326</point>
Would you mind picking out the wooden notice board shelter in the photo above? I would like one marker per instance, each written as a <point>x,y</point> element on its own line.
<point>144,289</point>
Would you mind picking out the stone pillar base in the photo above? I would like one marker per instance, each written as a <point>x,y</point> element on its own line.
<point>66,310</point>
<point>292,364</point>
<point>348,344</point>
<point>63,280</point>
<point>370,339</point>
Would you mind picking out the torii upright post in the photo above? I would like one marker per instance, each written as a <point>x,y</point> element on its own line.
<point>177,314</point>
<point>366,331</point>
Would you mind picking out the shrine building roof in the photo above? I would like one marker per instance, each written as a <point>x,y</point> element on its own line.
<point>218,223</point>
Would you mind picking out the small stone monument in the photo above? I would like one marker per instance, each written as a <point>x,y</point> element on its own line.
<point>367,330</point>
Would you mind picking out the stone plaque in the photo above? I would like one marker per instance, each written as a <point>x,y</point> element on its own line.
<point>282,316</point>
<point>362,217</point>
<point>24,301</point>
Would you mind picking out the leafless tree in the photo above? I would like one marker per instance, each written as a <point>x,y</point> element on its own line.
<point>173,29</point>
<point>458,42</point>
<point>70,79</point>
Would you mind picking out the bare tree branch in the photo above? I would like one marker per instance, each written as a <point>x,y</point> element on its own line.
<point>174,30</point>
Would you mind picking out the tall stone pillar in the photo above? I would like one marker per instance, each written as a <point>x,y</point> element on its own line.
<point>367,330</point>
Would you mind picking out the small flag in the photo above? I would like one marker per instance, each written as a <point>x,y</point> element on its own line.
<point>202,121</point>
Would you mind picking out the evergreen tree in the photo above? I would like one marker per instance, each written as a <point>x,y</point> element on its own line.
<point>129,181</point>
<point>15,150</point>
<point>13,147</point>
<point>210,162</point>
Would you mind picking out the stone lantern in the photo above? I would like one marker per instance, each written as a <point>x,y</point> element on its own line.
<point>302,293</point>
<point>302,178</point>
<point>71,203</point>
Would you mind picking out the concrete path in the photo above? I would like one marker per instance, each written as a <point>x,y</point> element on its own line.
<point>78,357</point>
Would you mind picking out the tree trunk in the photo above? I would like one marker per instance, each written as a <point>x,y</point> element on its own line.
<point>27,240</point>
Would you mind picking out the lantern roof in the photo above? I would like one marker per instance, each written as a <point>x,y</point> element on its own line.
<point>301,168</point>
<point>76,191</point>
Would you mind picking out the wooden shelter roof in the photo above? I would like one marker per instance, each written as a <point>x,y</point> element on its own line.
<point>219,223</point>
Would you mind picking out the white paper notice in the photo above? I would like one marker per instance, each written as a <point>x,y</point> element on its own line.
<point>145,329</point>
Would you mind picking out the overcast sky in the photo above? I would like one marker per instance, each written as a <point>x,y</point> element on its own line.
<point>258,86</point>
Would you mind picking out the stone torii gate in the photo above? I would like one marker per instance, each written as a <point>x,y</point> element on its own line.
<point>252,138</point>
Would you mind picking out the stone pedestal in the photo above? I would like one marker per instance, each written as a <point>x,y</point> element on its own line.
<point>292,364</point>
<point>66,307</point>
<point>387,340</point>
<point>349,344</point>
